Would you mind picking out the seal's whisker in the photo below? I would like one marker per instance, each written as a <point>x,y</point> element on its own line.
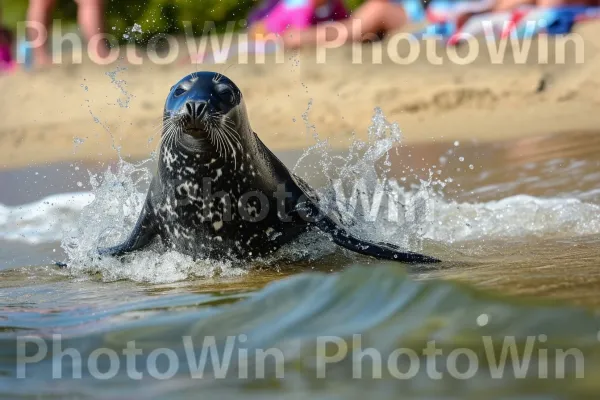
<point>171,128</point>
<point>164,136</point>
<point>224,120</point>
<point>172,141</point>
<point>215,137</point>
<point>219,136</point>
<point>210,132</point>
<point>166,139</point>
<point>229,122</point>
<point>232,136</point>
<point>232,133</point>
<point>158,127</point>
<point>166,123</point>
<point>171,135</point>
<point>222,141</point>
<point>228,140</point>
<point>176,131</point>
<point>225,69</point>
<point>229,135</point>
<point>232,126</point>
<point>168,126</point>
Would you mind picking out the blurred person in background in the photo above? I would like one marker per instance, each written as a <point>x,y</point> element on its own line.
<point>276,16</point>
<point>6,44</point>
<point>90,18</point>
<point>379,17</point>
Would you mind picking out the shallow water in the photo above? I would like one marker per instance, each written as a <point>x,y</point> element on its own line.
<point>516,223</point>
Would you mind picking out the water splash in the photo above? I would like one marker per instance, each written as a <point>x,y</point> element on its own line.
<point>115,206</point>
<point>109,218</point>
<point>130,33</point>
<point>123,101</point>
<point>359,192</point>
<point>77,141</point>
<point>373,206</point>
<point>136,28</point>
<point>355,188</point>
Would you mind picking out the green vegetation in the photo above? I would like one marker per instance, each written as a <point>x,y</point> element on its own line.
<point>154,16</point>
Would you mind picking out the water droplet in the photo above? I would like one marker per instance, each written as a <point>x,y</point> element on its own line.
<point>457,143</point>
<point>120,84</point>
<point>483,320</point>
<point>136,28</point>
<point>461,159</point>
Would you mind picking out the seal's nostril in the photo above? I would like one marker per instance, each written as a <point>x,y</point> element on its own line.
<point>189,108</point>
<point>196,110</point>
<point>200,109</point>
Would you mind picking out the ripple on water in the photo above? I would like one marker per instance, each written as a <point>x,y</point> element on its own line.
<point>389,311</point>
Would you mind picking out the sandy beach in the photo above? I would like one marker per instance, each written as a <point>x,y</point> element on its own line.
<point>75,112</point>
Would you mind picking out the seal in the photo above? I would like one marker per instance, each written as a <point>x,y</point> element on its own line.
<point>219,192</point>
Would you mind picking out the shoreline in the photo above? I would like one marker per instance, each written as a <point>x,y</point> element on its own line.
<point>69,112</point>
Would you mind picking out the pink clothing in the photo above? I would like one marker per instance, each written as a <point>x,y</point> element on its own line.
<point>6,60</point>
<point>300,14</point>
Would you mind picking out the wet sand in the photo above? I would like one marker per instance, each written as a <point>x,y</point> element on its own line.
<point>83,112</point>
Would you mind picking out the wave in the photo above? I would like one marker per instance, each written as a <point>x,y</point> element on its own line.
<point>364,310</point>
<point>47,220</point>
<point>44,220</point>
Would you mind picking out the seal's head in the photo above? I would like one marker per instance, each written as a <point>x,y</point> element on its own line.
<point>207,106</point>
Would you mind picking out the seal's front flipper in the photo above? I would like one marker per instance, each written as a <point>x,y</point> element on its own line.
<point>143,232</point>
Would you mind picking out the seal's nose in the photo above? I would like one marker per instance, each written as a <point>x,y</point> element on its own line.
<point>196,109</point>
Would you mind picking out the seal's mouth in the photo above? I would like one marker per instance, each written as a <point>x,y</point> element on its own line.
<point>195,128</point>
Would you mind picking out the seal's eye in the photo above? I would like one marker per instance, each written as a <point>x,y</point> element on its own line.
<point>226,94</point>
<point>179,91</point>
